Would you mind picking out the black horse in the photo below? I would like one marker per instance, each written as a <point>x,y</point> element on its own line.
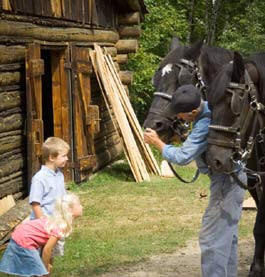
<point>236,97</point>
<point>196,65</point>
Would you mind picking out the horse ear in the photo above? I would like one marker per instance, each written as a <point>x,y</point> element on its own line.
<point>194,51</point>
<point>175,43</point>
<point>238,68</point>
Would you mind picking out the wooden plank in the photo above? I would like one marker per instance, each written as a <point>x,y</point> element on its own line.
<point>144,148</point>
<point>131,150</point>
<point>6,204</point>
<point>12,218</point>
<point>56,94</point>
<point>34,112</point>
<point>6,5</point>
<point>56,8</point>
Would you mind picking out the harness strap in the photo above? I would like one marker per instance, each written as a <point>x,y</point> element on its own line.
<point>219,142</point>
<point>194,178</point>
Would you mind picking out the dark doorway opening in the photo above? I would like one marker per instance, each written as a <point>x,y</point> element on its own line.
<point>47,104</point>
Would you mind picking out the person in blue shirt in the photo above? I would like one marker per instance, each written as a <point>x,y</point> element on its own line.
<point>219,231</point>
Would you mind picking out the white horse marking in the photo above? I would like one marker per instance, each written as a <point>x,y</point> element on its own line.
<point>166,69</point>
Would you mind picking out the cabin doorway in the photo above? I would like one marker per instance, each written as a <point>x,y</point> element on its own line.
<point>48,102</point>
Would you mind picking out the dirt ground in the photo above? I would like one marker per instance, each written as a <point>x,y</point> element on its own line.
<point>182,263</point>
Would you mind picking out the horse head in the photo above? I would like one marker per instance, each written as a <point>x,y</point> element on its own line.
<point>233,99</point>
<point>177,68</point>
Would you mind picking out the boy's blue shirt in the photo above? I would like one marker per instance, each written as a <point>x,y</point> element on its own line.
<point>46,186</point>
<point>194,145</point>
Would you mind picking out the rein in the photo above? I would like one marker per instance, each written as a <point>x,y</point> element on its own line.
<point>249,118</point>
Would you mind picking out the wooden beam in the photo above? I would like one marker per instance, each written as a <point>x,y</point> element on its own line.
<point>129,19</point>
<point>12,218</point>
<point>121,59</point>
<point>125,46</point>
<point>129,31</point>
<point>126,77</point>
<point>56,8</point>
<point>23,29</point>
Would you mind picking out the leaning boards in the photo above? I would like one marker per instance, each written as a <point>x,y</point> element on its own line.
<point>138,153</point>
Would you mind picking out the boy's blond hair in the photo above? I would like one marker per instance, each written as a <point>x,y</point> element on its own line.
<point>52,146</point>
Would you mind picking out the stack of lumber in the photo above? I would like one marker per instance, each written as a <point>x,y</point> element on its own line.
<point>138,153</point>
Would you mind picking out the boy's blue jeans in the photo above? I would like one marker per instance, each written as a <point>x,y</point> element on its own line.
<point>219,231</point>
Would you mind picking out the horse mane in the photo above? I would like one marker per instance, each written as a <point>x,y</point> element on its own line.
<point>173,56</point>
<point>218,85</point>
<point>258,59</point>
<point>211,60</point>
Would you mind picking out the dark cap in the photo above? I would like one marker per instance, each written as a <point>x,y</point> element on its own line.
<point>185,99</point>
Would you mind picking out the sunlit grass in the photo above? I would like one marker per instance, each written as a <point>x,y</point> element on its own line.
<point>125,222</point>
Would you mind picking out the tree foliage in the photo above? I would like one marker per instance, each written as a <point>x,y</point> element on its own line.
<point>235,24</point>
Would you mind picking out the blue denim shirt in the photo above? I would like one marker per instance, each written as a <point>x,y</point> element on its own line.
<point>194,145</point>
<point>46,186</point>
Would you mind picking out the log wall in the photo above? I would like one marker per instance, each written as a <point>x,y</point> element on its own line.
<point>12,121</point>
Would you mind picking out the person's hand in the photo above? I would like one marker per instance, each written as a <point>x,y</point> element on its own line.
<point>151,137</point>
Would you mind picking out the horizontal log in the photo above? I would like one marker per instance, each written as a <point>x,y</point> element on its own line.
<point>11,99</point>
<point>23,29</point>
<point>134,5</point>
<point>129,31</point>
<point>106,144</point>
<point>121,59</point>
<point>12,176</point>
<point>13,186</point>
<point>10,78</point>
<point>12,153</point>
<point>125,46</point>
<point>12,165</point>
<point>111,51</point>
<point>11,88</point>
<point>11,54</point>
<point>129,19</point>
<point>108,156</point>
<point>12,122</point>
<point>126,77</point>
<point>12,218</point>
<point>10,142</point>
<point>12,67</point>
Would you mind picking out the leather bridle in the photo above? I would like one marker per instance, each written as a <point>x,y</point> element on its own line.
<point>175,126</point>
<point>248,121</point>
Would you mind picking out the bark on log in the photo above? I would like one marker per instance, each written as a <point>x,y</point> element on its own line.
<point>12,165</point>
<point>121,59</point>
<point>22,29</point>
<point>108,156</point>
<point>9,143</point>
<point>12,67</point>
<point>125,46</point>
<point>126,77</point>
<point>12,218</point>
<point>129,19</point>
<point>11,99</point>
<point>11,54</point>
<point>111,51</point>
<point>13,185</point>
<point>12,122</point>
<point>129,31</point>
<point>10,78</point>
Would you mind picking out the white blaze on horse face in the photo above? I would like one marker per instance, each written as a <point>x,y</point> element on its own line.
<point>166,69</point>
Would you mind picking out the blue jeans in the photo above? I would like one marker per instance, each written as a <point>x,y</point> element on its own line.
<point>219,231</point>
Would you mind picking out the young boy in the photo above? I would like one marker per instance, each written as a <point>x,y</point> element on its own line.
<point>48,183</point>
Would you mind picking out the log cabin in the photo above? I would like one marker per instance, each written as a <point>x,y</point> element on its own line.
<point>48,87</point>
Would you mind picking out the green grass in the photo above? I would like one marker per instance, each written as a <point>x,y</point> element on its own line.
<point>125,222</point>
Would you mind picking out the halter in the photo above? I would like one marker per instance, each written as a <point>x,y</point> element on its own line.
<point>175,126</point>
<point>249,118</point>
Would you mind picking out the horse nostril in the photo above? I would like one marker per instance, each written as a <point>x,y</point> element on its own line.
<point>158,125</point>
<point>217,164</point>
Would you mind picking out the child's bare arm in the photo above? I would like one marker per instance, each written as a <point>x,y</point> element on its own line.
<point>37,209</point>
<point>47,252</point>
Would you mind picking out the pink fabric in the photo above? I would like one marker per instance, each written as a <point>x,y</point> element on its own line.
<point>32,234</point>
